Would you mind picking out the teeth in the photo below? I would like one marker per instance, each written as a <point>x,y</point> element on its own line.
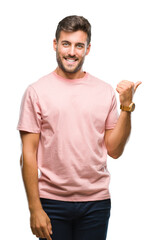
<point>70,60</point>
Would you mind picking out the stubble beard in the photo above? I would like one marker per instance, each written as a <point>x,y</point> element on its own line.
<point>66,70</point>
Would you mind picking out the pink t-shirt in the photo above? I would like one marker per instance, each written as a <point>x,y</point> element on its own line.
<point>71,116</point>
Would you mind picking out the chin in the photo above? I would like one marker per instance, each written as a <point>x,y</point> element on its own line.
<point>70,70</point>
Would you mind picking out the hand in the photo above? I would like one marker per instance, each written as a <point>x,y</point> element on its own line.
<point>40,224</point>
<point>126,90</point>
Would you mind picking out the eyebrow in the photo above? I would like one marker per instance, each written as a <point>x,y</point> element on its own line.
<point>81,43</point>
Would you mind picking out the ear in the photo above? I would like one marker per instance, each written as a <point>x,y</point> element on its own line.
<point>88,49</point>
<point>55,44</point>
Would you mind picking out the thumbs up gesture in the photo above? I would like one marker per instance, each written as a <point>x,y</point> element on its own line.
<point>126,90</point>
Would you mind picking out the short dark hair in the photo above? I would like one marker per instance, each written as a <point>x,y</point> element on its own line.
<point>74,23</point>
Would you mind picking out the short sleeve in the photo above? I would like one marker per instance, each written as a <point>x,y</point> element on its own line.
<point>30,112</point>
<point>113,113</point>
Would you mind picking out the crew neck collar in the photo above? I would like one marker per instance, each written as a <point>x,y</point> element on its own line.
<point>71,80</point>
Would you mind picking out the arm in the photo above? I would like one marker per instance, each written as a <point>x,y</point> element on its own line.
<point>115,139</point>
<point>40,223</point>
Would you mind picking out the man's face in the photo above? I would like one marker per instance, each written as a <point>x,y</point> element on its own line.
<point>71,50</point>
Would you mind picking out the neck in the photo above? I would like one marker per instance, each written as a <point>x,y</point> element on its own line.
<point>79,74</point>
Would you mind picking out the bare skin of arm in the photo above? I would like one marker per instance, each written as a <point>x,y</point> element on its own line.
<point>115,139</point>
<point>39,221</point>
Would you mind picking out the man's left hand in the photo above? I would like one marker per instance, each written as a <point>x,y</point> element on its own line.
<point>126,90</point>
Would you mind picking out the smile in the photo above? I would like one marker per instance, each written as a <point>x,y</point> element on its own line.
<point>70,60</point>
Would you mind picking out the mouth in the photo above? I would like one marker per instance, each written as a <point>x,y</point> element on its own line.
<point>70,60</point>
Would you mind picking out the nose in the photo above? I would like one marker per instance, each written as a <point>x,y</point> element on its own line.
<point>72,51</point>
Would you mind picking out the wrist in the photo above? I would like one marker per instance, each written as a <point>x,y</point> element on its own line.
<point>126,103</point>
<point>35,207</point>
<point>128,108</point>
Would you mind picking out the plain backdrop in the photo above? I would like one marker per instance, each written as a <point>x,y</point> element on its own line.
<point>124,47</point>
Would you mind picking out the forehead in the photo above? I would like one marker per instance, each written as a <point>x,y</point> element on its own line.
<point>73,37</point>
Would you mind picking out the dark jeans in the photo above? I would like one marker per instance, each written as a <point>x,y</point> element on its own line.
<point>78,220</point>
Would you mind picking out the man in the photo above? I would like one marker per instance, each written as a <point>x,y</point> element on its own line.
<point>68,124</point>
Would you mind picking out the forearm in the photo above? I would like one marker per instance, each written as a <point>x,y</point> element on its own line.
<point>117,138</point>
<point>30,178</point>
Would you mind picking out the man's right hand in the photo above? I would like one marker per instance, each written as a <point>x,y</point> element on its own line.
<point>40,224</point>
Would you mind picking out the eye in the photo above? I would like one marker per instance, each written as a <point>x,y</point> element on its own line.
<point>65,44</point>
<point>80,46</point>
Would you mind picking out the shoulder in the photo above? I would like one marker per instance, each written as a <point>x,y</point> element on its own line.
<point>34,89</point>
<point>42,82</point>
<point>39,86</point>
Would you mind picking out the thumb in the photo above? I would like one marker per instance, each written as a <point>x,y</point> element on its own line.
<point>136,85</point>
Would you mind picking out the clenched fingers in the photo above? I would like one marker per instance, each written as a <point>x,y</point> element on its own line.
<point>46,233</point>
<point>124,85</point>
<point>41,224</point>
<point>42,232</point>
